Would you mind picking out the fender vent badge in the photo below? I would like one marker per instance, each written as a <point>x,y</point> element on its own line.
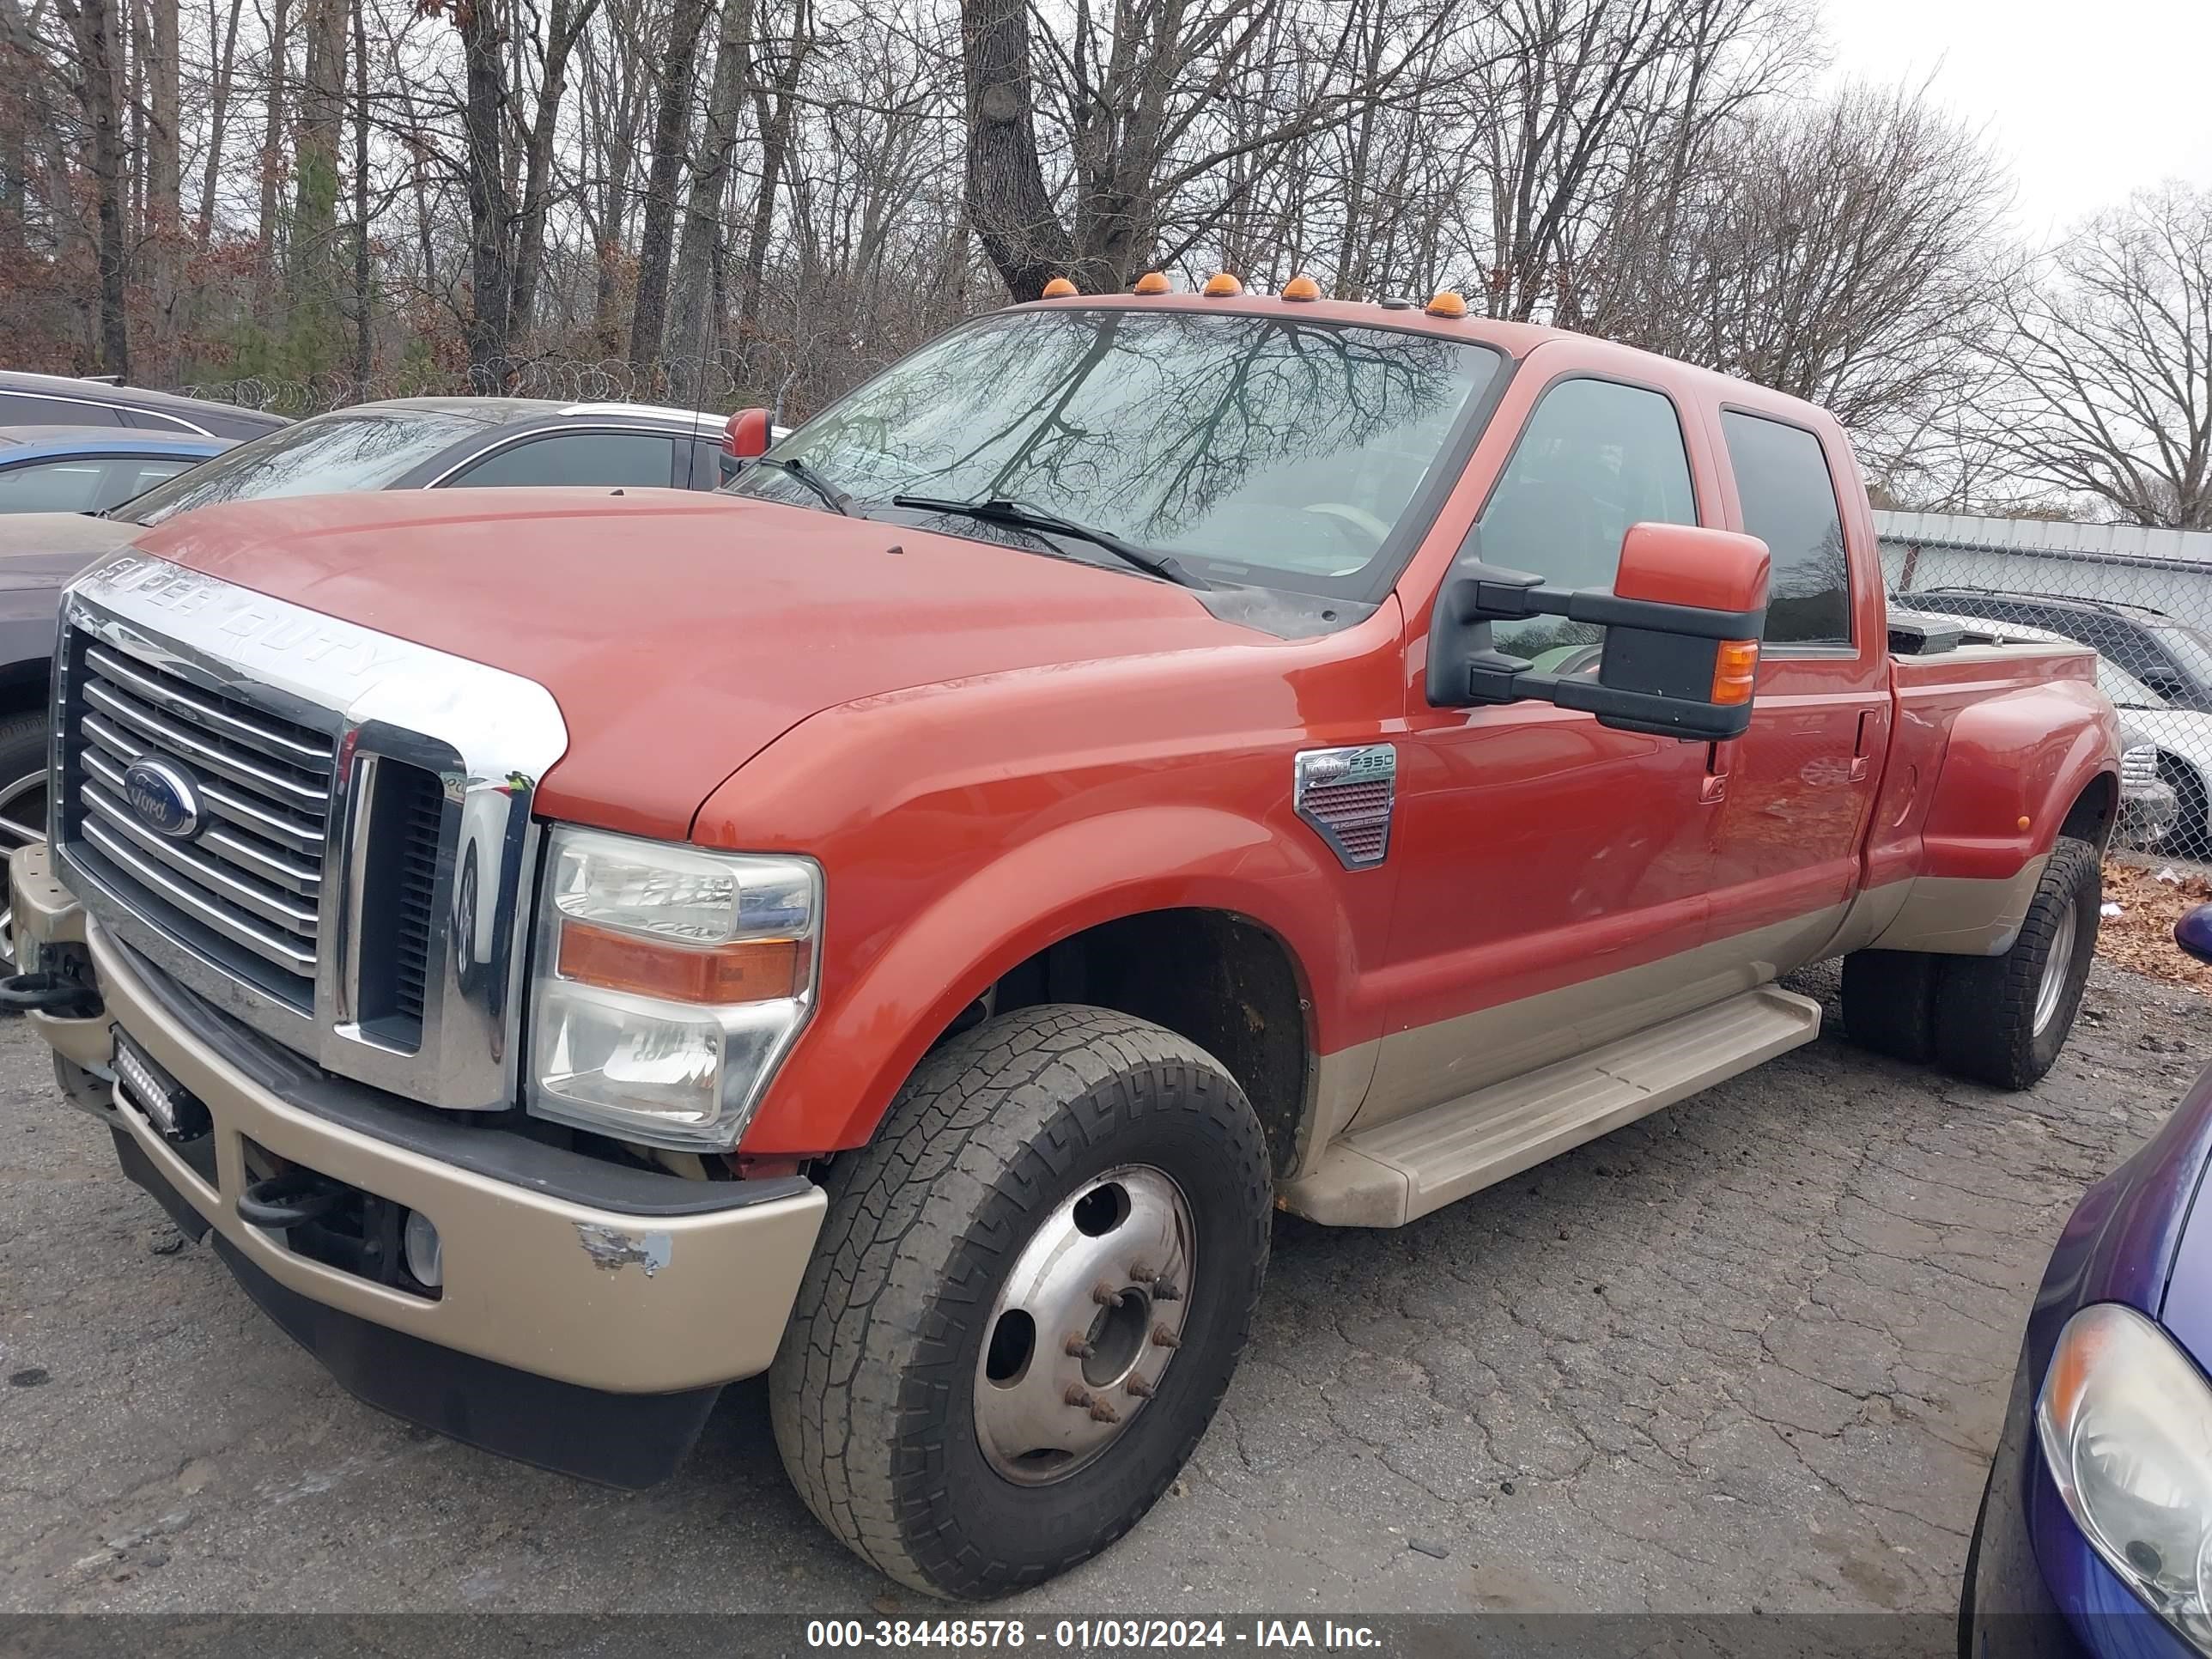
<point>1347,794</point>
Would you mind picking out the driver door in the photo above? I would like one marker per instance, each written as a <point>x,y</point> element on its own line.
<point>1553,872</point>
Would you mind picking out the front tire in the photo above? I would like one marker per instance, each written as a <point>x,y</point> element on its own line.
<point>2002,1020</point>
<point>1051,1191</point>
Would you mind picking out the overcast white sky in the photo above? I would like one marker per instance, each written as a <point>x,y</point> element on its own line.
<point>2087,99</point>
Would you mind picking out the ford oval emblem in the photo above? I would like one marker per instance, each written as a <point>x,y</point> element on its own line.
<point>164,797</point>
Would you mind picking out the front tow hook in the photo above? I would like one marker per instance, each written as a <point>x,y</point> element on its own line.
<point>49,994</point>
<point>290,1200</point>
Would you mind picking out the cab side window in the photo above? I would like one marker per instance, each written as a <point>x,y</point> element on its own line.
<point>1595,458</point>
<point>77,485</point>
<point>632,459</point>
<point>21,408</point>
<point>1790,503</point>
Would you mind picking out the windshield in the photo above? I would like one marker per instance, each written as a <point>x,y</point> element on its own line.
<point>1270,452</point>
<point>2191,649</point>
<point>352,449</point>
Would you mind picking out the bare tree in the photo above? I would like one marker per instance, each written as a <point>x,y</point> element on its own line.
<point>2107,365</point>
<point>672,132</point>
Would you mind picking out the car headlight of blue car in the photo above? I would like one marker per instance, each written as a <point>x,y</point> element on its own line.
<point>2126,1421</point>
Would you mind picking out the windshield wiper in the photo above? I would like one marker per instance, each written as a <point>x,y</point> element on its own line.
<point>1053,524</point>
<point>835,499</point>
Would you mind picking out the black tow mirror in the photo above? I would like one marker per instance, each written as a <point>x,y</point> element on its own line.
<point>1682,623</point>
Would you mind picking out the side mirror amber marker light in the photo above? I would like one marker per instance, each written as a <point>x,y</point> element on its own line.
<point>1735,666</point>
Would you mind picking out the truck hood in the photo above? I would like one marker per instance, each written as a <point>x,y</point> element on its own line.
<point>680,634</point>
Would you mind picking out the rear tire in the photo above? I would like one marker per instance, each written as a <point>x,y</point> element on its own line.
<point>2002,1020</point>
<point>1889,1002</point>
<point>1024,1161</point>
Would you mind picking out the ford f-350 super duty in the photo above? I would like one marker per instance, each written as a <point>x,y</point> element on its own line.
<point>904,925</point>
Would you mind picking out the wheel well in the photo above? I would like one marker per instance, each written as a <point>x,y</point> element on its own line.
<point>2178,772</point>
<point>2091,816</point>
<point>1224,982</point>
<point>23,685</point>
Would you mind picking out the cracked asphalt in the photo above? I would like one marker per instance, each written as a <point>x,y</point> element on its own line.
<point>1751,1352</point>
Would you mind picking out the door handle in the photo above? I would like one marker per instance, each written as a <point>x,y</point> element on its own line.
<point>1861,764</point>
<point>1720,758</point>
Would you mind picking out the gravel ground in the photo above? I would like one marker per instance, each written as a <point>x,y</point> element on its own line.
<point>1750,1353</point>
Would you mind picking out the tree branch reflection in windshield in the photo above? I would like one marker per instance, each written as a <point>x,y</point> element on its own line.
<point>1254,440</point>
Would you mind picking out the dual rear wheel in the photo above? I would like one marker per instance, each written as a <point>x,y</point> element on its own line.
<point>2000,1020</point>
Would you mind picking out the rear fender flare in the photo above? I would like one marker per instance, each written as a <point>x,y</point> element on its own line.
<point>2014,766</point>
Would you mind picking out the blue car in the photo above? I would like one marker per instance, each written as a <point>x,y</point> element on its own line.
<point>90,469</point>
<point>2095,1533</point>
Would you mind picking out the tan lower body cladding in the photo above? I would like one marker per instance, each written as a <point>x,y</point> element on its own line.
<point>1428,1115</point>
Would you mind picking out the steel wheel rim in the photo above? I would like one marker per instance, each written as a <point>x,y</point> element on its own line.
<point>1085,1325</point>
<point>22,823</point>
<point>2052,988</point>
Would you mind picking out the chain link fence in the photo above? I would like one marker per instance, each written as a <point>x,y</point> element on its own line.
<point>2141,599</point>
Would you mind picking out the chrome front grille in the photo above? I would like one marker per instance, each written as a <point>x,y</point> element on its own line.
<point>249,884</point>
<point>324,830</point>
<point>2138,769</point>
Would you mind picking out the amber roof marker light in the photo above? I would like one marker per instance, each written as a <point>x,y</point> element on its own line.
<point>1152,281</point>
<point>1302,287</point>
<point>1447,304</point>
<point>1222,286</point>
<point>1060,288</point>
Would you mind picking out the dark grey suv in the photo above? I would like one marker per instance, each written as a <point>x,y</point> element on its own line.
<point>63,400</point>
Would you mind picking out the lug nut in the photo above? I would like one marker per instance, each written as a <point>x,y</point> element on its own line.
<point>1164,1338</point>
<point>1142,1273</point>
<point>1139,1386</point>
<point>1164,1291</point>
<point>1077,1396</point>
<point>1075,1348</point>
<point>1105,1295</point>
<point>1102,1413</point>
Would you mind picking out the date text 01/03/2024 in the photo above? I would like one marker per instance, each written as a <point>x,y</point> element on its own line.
<point>1083,1635</point>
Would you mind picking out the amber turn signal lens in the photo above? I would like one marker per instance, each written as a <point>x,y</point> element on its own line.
<point>1447,304</point>
<point>1302,287</point>
<point>750,971</point>
<point>1735,666</point>
<point>1058,289</point>
<point>1152,281</point>
<point>1221,286</point>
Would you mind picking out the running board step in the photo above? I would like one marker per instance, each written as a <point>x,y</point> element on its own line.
<point>1387,1175</point>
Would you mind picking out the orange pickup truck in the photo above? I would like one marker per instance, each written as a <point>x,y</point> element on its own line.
<point>903,924</point>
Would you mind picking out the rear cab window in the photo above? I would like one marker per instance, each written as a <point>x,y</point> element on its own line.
<point>1789,502</point>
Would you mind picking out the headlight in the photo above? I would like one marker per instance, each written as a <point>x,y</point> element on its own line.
<point>2126,1424</point>
<point>669,983</point>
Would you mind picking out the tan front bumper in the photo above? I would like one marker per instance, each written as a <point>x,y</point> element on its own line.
<point>595,1298</point>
